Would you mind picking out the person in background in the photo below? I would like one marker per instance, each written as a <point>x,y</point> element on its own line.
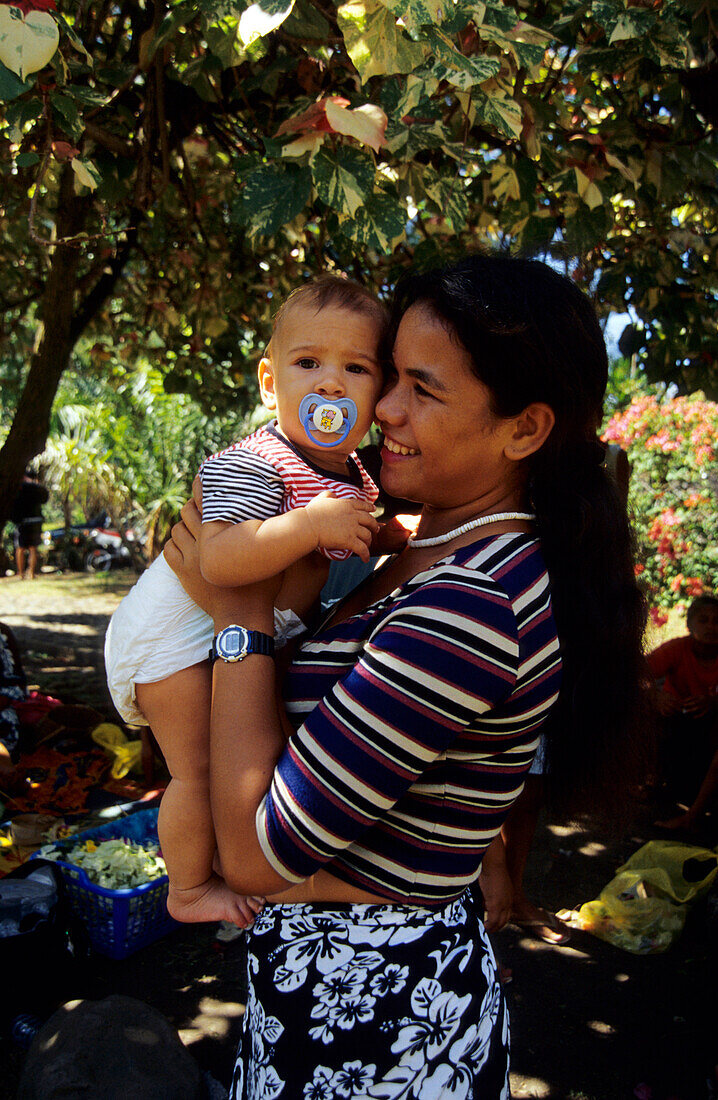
<point>26,514</point>
<point>685,673</point>
<point>13,689</point>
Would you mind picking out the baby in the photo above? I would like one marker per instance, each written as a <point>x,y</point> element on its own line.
<point>288,499</point>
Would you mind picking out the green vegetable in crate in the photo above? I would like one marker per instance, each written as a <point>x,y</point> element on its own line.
<point>114,864</point>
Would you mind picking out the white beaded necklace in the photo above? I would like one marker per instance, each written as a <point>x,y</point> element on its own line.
<point>480,521</point>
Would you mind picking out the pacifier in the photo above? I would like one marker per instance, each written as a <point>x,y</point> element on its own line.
<point>327,417</point>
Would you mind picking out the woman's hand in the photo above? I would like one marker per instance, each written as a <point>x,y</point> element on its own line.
<point>496,888</point>
<point>248,604</point>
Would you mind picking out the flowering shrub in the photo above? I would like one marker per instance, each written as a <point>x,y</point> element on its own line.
<point>672,446</point>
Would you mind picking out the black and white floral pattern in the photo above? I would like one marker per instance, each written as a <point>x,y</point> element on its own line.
<point>389,1002</point>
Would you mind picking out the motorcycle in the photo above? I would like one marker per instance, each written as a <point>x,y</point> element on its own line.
<point>92,547</point>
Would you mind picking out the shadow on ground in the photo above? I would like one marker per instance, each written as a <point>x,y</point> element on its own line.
<point>589,1021</point>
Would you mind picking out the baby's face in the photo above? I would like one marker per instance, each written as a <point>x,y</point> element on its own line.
<point>334,352</point>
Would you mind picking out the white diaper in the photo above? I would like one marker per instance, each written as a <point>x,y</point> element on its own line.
<point>158,630</point>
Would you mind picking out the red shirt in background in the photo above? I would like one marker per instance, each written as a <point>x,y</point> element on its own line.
<point>684,674</point>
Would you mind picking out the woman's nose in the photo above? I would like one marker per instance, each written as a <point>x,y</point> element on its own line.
<point>389,408</point>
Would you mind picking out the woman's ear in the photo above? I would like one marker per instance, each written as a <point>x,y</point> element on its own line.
<point>265,373</point>
<point>532,428</point>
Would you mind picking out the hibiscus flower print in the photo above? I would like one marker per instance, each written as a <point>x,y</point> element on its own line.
<point>437,1019</point>
<point>352,1080</point>
<point>391,980</point>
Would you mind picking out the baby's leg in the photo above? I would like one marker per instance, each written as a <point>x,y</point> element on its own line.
<point>177,709</point>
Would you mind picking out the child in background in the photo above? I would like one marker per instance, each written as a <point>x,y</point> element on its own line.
<point>687,700</point>
<point>288,499</point>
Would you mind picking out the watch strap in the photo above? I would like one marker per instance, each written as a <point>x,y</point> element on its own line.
<point>256,642</point>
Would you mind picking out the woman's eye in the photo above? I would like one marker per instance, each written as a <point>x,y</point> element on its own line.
<point>420,391</point>
<point>307,364</point>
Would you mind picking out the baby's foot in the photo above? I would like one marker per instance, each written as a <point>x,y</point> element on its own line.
<point>212,901</point>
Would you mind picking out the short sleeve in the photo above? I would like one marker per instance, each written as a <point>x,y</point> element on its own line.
<point>446,655</point>
<point>238,485</point>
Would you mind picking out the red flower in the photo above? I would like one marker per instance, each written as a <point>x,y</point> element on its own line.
<point>658,617</point>
<point>638,568</point>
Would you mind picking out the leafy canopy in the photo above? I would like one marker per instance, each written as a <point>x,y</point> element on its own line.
<point>219,151</point>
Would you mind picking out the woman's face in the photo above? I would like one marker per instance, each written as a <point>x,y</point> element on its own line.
<point>443,445</point>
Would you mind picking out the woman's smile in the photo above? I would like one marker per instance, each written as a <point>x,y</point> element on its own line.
<point>395,448</point>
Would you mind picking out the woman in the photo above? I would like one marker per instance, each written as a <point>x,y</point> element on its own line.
<point>420,702</point>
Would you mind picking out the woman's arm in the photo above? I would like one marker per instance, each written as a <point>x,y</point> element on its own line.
<point>246,737</point>
<point>281,813</point>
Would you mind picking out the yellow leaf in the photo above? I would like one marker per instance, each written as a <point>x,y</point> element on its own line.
<point>27,42</point>
<point>366,123</point>
<point>86,173</point>
<point>587,190</point>
<point>255,22</point>
<point>307,143</point>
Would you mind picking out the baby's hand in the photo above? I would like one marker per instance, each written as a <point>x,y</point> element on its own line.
<point>341,524</point>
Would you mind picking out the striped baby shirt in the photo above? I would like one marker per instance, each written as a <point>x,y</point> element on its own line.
<point>417,723</point>
<point>265,475</point>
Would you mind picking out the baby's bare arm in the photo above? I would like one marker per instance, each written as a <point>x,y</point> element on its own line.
<point>234,554</point>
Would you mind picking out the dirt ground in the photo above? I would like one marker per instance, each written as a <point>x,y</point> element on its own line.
<point>589,1021</point>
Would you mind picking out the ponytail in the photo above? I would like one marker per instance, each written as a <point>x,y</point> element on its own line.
<point>596,736</point>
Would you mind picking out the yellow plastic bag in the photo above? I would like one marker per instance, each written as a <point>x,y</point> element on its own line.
<point>643,909</point>
<point>127,754</point>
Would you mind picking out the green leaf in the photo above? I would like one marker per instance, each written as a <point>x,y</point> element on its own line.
<point>273,196</point>
<point>374,41</point>
<point>172,22</point>
<point>586,228</point>
<point>500,112</point>
<point>11,86</point>
<point>416,14</point>
<point>304,21</point>
<point>68,113</point>
<point>449,197</point>
<point>21,112</point>
<point>344,179</point>
<point>26,160</point>
<point>91,96</point>
<point>452,65</point>
<point>225,43</point>
<point>378,225</point>
<point>405,141</point>
<point>536,234</point>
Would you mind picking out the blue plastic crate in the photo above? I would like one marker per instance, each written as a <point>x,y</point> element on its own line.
<point>118,922</point>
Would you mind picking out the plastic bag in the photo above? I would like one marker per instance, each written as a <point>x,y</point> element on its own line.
<point>127,754</point>
<point>643,908</point>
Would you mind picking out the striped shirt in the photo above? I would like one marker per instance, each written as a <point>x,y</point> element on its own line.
<point>417,722</point>
<point>265,475</point>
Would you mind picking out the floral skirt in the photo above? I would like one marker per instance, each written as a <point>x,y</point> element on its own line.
<point>389,1001</point>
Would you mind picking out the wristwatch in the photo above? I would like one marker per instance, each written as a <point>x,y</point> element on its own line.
<point>234,643</point>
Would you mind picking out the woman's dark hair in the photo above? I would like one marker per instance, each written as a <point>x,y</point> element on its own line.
<point>534,336</point>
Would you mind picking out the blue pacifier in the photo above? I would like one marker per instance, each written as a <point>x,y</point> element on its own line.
<point>327,417</point>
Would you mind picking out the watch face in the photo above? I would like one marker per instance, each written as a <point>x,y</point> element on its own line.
<point>233,643</point>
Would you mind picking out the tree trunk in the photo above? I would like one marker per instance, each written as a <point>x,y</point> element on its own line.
<point>63,322</point>
<point>31,423</point>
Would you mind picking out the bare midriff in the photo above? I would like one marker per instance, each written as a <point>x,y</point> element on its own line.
<point>324,889</point>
